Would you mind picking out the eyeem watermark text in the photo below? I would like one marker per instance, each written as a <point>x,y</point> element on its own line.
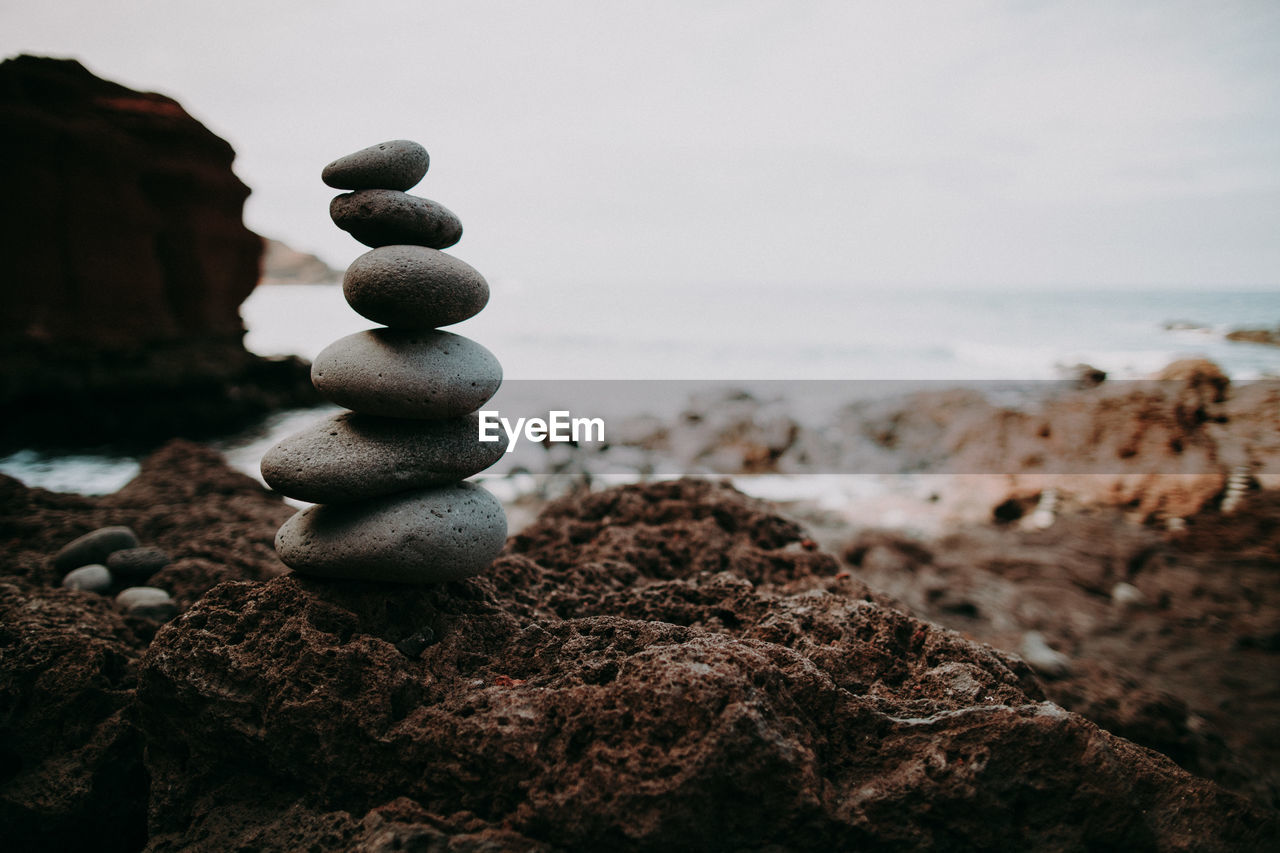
<point>559,426</point>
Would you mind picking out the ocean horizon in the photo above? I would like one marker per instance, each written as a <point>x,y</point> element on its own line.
<point>778,331</point>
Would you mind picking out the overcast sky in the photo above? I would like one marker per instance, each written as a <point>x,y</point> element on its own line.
<point>1015,144</point>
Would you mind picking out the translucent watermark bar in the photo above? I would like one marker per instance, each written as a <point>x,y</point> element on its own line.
<point>1197,425</point>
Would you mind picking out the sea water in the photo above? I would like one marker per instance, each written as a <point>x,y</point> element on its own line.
<point>743,333</point>
<point>787,331</point>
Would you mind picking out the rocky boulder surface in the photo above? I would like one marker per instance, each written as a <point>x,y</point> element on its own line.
<point>1168,638</point>
<point>1164,447</point>
<point>662,666</point>
<point>71,768</point>
<point>127,261</point>
<point>1271,337</point>
<point>283,264</point>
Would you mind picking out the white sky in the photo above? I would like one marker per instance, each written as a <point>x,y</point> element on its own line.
<point>1014,144</point>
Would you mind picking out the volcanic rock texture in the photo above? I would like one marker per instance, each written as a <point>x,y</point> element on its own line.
<point>663,666</point>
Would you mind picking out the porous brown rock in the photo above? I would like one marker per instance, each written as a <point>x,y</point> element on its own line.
<point>1182,664</point>
<point>648,667</point>
<point>71,761</point>
<point>71,765</point>
<point>661,666</point>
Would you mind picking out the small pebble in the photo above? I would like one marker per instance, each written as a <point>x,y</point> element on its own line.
<point>94,547</point>
<point>395,165</point>
<point>137,562</point>
<point>1045,513</point>
<point>93,578</point>
<point>1127,595</point>
<point>147,602</point>
<point>1042,656</point>
<point>389,217</point>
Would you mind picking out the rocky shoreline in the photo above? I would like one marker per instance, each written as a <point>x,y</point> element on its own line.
<point>656,665</point>
<point>1086,658</point>
<point>1163,449</point>
<point>139,398</point>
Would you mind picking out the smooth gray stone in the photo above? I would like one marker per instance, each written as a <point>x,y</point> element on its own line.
<point>424,536</point>
<point>94,547</point>
<point>394,165</point>
<point>138,563</point>
<point>349,456</point>
<point>93,578</point>
<point>398,373</point>
<point>413,287</point>
<point>147,602</point>
<point>390,217</point>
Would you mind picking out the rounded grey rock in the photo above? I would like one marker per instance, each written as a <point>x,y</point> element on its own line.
<point>399,373</point>
<point>147,602</point>
<point>349,456</point>
<point>94,547</point>
<point>394,165</point>
<point>413,287</point>
<point>137,562</point>
<point>92,578</point>
<point>425,536</point>
<point>390,217</point>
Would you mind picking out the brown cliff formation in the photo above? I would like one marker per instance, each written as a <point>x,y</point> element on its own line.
<point>126,263</point>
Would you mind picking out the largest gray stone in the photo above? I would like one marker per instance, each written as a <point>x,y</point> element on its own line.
<point>426,536</point>
<point>387,217</point>
<point>395,165</point>
<point>398,373</point>
<point>413,287</point>
<point>349,456</point>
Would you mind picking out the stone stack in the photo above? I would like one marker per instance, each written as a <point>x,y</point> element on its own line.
<point>387,475</point>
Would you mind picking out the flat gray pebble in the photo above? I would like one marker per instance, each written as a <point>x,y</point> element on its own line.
<point>390,217</point>
<point>413,287</point>
<point>395,165</point>
<point>93,578</point>
<point>94,547</point>
<point>400,373</point>
<point>147,602</point>
<point>426,536</point>
<point>349,456</point>
<point>138,563</point>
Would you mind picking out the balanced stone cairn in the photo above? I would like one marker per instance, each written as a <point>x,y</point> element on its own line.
<point>386,477</point>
